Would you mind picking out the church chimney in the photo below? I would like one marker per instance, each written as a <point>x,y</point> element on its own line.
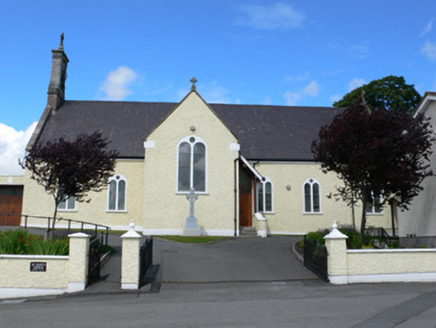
<point>56,89</point>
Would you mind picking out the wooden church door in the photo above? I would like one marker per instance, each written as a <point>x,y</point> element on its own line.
<point>245,197</point>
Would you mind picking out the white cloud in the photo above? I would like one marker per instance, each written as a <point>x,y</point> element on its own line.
<point>427,28</point>
<point>312,89</point>
<point>356,83</point>
<point>429,50</point>
<point>333,72</point>
<point>361,50</point>
<point>12,148</point>
<point>215,93</point>
<point>335,98</point>
<point>274,16</point>
<point>298,78</point>
<point>181,93</point>
<point>117,83</point>
<point>292,98</point>
<point>267,101</point>
<point>434,85</point>
<point>211,92</point>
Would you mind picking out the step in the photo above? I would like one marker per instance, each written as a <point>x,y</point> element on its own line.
<point>248,231</point>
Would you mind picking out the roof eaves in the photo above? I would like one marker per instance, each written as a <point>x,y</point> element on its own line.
<point>425,102</point>
<point>39,127</point>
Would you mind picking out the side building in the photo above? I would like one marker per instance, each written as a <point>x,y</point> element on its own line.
<point>417,226</point>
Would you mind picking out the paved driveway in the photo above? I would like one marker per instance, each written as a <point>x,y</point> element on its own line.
<point>231,260</point>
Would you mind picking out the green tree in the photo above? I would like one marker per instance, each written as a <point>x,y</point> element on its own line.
<point>391,93</point>
<point>380,153</point>
<point>71,168</point>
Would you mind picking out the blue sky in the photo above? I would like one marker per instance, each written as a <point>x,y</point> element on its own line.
<point>306,53</point>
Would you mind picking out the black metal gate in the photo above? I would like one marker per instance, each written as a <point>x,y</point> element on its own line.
<point>315,258</point>
<point>146,258</point>
<point>94,260</point>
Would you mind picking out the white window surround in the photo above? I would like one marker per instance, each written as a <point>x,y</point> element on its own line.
<point>312,182</point>
<point>117,178</point>
<point>189,140</point>
<point>263,183</point>
<point>149,144</point>
<point>68,205</point>
<point>371,208</point>
<point>235,146</point>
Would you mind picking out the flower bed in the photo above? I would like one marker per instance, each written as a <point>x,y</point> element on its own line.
<point>20,242</point>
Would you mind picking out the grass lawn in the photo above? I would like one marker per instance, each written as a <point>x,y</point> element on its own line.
<point>192,239</point>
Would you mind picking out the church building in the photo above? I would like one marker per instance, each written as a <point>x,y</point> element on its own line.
<point>249,168</point>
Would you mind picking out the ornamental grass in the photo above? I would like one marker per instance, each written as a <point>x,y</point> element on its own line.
<point>20,242</point>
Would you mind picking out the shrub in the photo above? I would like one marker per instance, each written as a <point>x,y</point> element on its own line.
<point>21,242</point>
<point>354,240</point>
<point>316,235</point>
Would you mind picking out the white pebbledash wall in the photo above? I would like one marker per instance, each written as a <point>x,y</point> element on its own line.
<point>64,274</point>
<point>165,209</point>
<point>378,265</point>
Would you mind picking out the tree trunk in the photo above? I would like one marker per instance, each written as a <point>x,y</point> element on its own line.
<point>57,200</point>
<point>363,222</point>
<point>354,217</point>
<point>393,203</point>
<point>54,217</point>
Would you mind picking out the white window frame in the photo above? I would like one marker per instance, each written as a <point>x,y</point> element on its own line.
<point>191,166</point>
<point>373,211</point>
<point>64,204</point>
<point>114,178</point>
<point>311,182</point>
<point>263,183</point>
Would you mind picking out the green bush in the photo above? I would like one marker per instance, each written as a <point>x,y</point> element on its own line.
<point>316,235</point>
<point>354,240</point>
<point>21,242</point>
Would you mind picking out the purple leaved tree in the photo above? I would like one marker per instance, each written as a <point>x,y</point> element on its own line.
<point>380,155</point>
<point>71,168</point>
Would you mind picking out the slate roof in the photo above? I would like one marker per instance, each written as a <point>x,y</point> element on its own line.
<point>276,133</point>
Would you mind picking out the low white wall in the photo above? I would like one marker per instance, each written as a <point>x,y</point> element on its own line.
<point>377,265</point>
<point>15,271</point>
<point>391,265</point>
<point>37,275</point>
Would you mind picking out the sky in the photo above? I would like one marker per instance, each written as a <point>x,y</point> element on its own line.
<point>305,53</point>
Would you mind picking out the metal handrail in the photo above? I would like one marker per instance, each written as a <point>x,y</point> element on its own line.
<point>96,226</point>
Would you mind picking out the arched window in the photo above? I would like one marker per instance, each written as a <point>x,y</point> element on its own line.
<point>265,196</point>
<point>312,202</point>
<point>374,205</point>
<point>117,193</point>
<point>191,166</point>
